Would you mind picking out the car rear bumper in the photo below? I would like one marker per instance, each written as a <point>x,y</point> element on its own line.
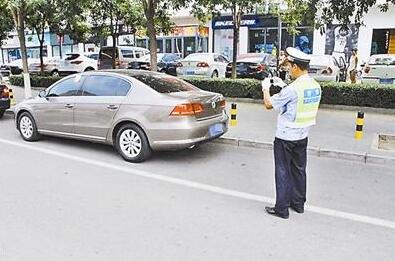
<point>189,135</point>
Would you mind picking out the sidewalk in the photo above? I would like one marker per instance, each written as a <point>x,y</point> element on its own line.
<point>334,130</point>
<point>333,135</point>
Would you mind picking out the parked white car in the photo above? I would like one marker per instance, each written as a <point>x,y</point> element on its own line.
<point>203,64</point>
<point>326,68</point>
<point>51,65</point>
<point>379,69</point>
<point>75,63</point>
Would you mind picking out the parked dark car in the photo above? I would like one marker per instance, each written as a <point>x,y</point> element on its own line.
<point>167,63</point>
<point>253,65</point>
<point>4,99</point>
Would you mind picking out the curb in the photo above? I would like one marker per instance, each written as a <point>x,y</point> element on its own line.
<point>315,151</point>
<point>323,106</point>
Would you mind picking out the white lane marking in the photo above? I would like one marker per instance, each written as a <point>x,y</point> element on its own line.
<point>218,190</point>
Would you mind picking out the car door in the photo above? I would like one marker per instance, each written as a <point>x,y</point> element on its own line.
<point>55,113</point>
<point>97,103</point>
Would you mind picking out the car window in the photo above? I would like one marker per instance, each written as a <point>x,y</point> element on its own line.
<point>139,54</point>
<point>127,53</point>
<point>72,56</point>
<point>103,85</point>
<point>165,83</point>
<point>68,87</point>
<point>93,56</point>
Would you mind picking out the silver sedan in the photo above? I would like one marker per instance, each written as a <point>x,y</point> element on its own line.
<point>135,111</point>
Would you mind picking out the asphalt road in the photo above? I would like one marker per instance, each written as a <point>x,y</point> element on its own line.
<point>71,200</point>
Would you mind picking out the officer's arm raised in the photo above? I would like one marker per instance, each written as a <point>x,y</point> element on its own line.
<point>266,99</point>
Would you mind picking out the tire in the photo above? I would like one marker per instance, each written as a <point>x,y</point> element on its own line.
<point>132,143</point>
<point>55,73</point>
<point>89,69</point>
<point>2,113</point>
<point>215,74</point>
<point>27,127</point>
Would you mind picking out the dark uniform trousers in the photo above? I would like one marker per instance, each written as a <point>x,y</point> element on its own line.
<point>290,174</point>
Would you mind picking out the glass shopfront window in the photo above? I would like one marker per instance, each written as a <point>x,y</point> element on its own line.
<point>189,45</point>
<point>223,42</point>
<point>265,40</point>
<point>168,46</point>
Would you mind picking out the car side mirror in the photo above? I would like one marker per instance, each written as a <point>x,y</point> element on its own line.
<point>42,94</point>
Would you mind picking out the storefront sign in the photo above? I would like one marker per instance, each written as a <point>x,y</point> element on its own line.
<point>253,21</point>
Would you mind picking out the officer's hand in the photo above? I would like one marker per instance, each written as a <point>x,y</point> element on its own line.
<point>276,81</point>
<point>266,84</point>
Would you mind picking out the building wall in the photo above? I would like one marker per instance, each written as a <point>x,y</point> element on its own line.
<point>374,19</point>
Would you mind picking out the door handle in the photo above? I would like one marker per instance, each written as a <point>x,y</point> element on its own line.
<point>69,106</point>
<point>112,107</point>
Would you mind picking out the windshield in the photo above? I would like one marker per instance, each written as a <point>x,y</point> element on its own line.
<point>382,61</point>
<point>198,57</point>
<point>165,83</point>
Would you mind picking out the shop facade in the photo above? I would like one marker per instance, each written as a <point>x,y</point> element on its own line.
<point>376,36</point>
<point>258,34</point>
<point>53,44</point>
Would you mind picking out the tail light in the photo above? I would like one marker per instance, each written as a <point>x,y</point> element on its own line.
<point>187,109</point>
<point>222,104</point>
<point>39,66</point>
<point>76,62</point>
<point>179,64</point>
<point>367,69</point>
<point>260,67</point>
<point>328,70</point>
<point>4,92</point>
<point>202,64</point>
<point>117,62</point>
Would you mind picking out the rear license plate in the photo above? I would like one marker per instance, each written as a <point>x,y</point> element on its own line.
<point>190,72</point>
<point>386,81</point>
<point>216,129</point>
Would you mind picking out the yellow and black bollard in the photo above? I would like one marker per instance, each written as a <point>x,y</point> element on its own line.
<point>359,122</point>
<point>233,112</point>
<point>11,96</point>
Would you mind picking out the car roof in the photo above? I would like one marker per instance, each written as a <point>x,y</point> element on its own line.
<point>382,56</point>
<point>128,72</point>
<point>126,47</point>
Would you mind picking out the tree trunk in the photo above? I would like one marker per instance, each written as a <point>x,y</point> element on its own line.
<point>114,45</point>
<point>150,13</point>
<point>19,15</point>
<point>41,57</point>
<point>236,32</point>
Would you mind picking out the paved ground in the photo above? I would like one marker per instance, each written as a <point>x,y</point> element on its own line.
<point>70,200</point>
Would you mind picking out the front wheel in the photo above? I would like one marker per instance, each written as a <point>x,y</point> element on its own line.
<point>27,127</point>
<point>214,75</point>
<point>132,143</point>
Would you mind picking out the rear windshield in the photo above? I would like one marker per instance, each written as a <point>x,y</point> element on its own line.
<point>165,84</point>
<point>382,61</point>
<point>198,57</point>
<point>106,54</point>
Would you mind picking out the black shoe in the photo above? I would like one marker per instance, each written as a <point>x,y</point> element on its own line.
<point>272,211</point>
<point>299,210</point>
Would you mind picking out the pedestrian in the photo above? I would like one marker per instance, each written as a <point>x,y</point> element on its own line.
<point>353,65</point>
<point>297,104</point>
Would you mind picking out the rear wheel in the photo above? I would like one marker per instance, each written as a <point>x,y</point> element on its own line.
<point>215,74</point>
<point>132,143</point>
<point>89,69</point>
<point>55,73</point>
<point>27,127</point>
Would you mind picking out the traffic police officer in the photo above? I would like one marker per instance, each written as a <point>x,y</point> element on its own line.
<point>297,104</point>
